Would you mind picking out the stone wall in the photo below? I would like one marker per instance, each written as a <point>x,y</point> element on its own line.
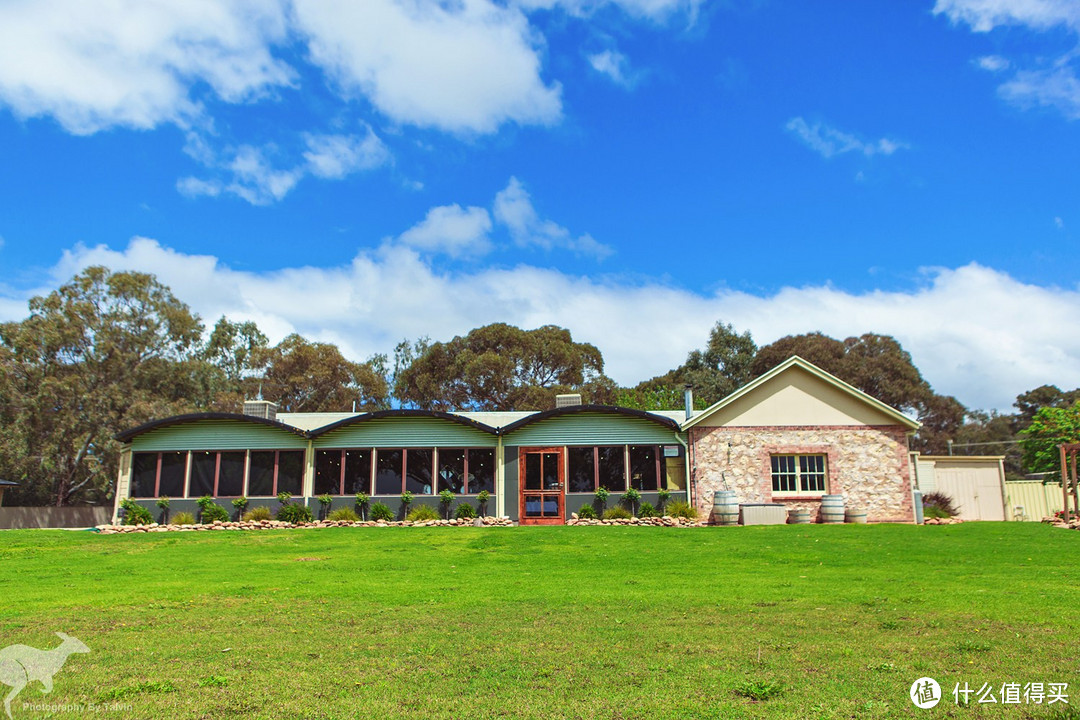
<point>868,465</point>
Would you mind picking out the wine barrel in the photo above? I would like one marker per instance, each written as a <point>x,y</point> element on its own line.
<point>832,508</point>
<point>725,508</point>
<point>854,515</point>
<point>798,516</point>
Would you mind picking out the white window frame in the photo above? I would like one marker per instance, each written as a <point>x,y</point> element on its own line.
<point>799,491</point>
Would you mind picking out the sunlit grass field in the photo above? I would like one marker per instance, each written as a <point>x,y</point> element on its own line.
<point>549,622</point>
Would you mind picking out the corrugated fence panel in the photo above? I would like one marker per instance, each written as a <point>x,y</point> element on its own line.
<point>406,432</point>
<point>1031,500</point>
<point>218,435</point>
<point>592,429</point>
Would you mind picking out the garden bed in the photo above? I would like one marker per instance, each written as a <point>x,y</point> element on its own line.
<point>486,521</point>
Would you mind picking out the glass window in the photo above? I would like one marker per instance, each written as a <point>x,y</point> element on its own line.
<point>290,472</point>
<point>261,474</point>
<point>611,469</point>
<point>328,472</point>
<point>173,468</point>
<point>582,476</point>
<point>418,471</point>
<point>798,474</point>
<point>231,474</point>
<point>451,475</point>
<point>203,469</point>
<point>144,475</point>
<point>481,471</point>
<point>533,481</point>
<point>643,467</point>
<point>388,471</point>
<point>357,471</point>
<point>551,471</point>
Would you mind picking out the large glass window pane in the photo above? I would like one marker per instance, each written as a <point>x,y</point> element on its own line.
<point>551,471</point>
<point>611,469</point>
<point>261,474</point>
<point>481,471</point>
<point>551,505</point>
<point>388,471</point>
<point>328,472</point>
<point>643,468</point>
<point>203,467</point>
<point>173,467</point>
<point>357,471</point>
<point>451,474</point>
<point>418,471</point>
<point>290,474</point>
<point>582,470</point>
<point>534,506</point>
<point>143,474</point>
<point>812,473</point>
<point>231,477</point>
<point>533,481</point>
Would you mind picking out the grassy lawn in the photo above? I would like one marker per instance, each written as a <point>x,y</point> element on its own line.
<point>598,622</point>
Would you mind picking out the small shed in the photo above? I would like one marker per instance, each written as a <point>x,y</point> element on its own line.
<point>976,483</point>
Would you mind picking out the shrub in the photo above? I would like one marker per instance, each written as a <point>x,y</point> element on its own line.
<point>362,502</point>
<point>482,498</point>
<point>617,513</point>
<point>379,511</point>
<point>602,495</point>
<point>162,503</point>
<point>587,512</point>
<point>183,518</point>
<point>464,512</point>
<point>205,501</point>
<point>135,514</point>
<point>260,512</point>
<point>240,503</point>
<point>343,514</point>
<point>284,497</point>
<point>325,499</point>
<point>664,495</point>
<point>422,513</point>
<point>942,504</point>
<point>631,497</point>
<point>681,509</point>
<point>295,513</point>
<point>646,510</point>
<point>934,512</point>
<point>446,498</point>
<point>213,513</point>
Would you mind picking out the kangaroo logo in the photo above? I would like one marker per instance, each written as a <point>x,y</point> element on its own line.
<point>20,665</point>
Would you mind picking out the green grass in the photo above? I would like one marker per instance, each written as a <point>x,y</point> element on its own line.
<point>590,622</point>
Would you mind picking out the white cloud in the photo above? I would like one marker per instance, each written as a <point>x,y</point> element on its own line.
<point>467,66</point>
<point>614,65</point>
<point>975,332</point>
<point>657,10</point>
<point>514,209</point>
<point>1058,88</point>
<point>828,141</point>
<point>1059,223</point>
<point>992,63</point>
<point>985,15</point>
<point>248,172</point>
<point>452,230</point>
<point>94,65</point>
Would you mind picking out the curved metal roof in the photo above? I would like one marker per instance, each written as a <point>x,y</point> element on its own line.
<point>604,409</point>
<point>195,417</point>
<point>379,414</point>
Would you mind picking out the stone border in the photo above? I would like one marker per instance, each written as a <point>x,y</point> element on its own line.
<point>486,521</point>
<point>1057,522</point>
<point>666,521</point>
<point>942,521</point>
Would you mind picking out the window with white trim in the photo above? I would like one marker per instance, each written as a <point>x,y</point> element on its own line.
<point>799,475</point>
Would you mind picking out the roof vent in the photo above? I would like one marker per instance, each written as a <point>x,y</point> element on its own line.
<point>261,409</point>
<point>562,401</point>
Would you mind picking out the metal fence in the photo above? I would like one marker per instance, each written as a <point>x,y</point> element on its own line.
<point>1031,500</point>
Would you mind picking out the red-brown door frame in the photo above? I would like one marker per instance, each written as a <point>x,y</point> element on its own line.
<point>560,493</point>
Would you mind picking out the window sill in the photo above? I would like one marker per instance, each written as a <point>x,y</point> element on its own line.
<point>796,498</point>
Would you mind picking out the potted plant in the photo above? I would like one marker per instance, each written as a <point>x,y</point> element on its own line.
<point>601,500</point>
<point>663,496</point>
<point>482,498</point>
<point>406,501</point>
<point>631,498</point>
<point>324,505</point>
<point>163,505</point>
<point>240,504</point>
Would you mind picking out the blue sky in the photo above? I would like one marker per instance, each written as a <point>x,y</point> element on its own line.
<point>632,169</point>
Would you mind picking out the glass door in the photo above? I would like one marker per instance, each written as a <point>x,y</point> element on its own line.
<point>540,473</point>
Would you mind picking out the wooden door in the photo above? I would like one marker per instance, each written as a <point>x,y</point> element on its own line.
<point>542,486</point>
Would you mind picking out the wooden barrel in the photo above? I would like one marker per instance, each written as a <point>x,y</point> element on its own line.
<point>725,508</point>
<point>832,508</point>
<point>798,516</point>
<point>854,515</point>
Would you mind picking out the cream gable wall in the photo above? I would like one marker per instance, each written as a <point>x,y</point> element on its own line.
<point>796,397</point>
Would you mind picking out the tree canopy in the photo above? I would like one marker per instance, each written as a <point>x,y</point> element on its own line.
<point>716,371</point>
